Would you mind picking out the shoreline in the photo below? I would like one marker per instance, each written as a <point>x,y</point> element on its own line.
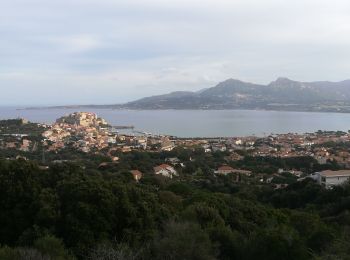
<point>173,109</point>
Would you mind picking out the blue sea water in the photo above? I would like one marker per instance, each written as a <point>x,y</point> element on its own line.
<point>201,123</point>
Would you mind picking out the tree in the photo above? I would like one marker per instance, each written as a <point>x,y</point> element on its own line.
<point>183,241</point>
<point>52,247</point>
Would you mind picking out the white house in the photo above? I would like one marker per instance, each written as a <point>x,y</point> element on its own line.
<point>238,142</point>
<point>167,146</point>
<point>332,178</point>
<point>165,170</point>
<point>218,147</point>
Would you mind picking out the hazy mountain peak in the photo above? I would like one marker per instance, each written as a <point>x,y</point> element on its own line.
<point>283,80</point>
<point>232,81</point>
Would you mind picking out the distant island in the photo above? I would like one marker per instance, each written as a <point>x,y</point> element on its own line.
<point>282,94</point>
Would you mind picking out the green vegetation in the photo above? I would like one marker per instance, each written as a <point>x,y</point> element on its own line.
<point>20,126</point>
<point>84,206</point>
<point>80,211</point>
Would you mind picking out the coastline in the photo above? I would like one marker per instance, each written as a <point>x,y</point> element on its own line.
<point>103,107</point>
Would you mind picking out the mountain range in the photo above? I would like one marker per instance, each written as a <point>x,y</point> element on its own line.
<point>281,94</point>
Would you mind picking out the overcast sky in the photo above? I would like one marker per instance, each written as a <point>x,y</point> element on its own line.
<point>112,51</point>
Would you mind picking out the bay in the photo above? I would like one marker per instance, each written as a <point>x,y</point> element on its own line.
<point>201,123</point>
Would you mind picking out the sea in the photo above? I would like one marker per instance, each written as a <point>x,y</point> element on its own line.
<point>200,123</point>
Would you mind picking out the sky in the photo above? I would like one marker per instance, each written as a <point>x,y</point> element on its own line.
<point>62,52</point>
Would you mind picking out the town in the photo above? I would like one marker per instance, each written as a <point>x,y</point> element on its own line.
<point>88,134</point>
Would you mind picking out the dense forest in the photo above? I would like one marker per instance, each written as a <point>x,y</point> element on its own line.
<point>78,210</point>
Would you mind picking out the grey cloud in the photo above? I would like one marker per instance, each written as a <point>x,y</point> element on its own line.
<point>115,50</point>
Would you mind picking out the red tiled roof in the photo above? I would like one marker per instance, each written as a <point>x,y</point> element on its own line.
<point>225,168</point>
<point>340,173</point>
<point>136,172</point>
<point>164,166</point>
